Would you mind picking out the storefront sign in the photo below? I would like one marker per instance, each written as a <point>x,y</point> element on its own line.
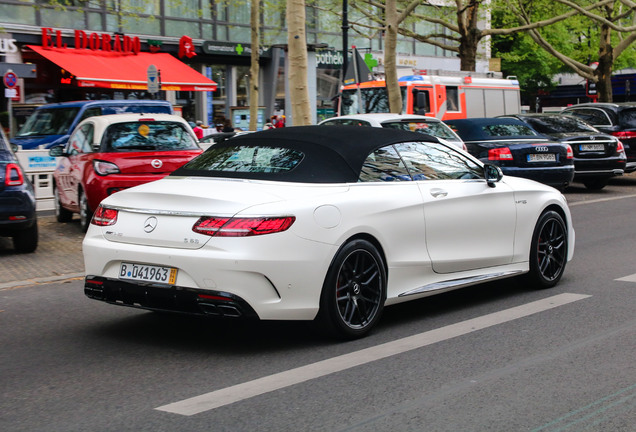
<point>8,46</point>
<point>186,47</point>
<point>329,59</point>
<point>93,41</point>
<point>225,48</point>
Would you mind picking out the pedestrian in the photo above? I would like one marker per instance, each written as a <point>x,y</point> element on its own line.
<point>280,122</point>
<point>198,130</point>
<point>227,126</point>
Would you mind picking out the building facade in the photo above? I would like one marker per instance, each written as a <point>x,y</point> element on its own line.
<point>211,37</point>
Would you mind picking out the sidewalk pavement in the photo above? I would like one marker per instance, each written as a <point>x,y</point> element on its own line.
<point>58,256</point>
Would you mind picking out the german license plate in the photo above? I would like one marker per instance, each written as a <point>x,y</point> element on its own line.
<point>147,273</point>
<point>542,157</point>
<point>592,147</point>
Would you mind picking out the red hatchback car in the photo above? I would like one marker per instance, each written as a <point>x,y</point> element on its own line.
<point>106,154</point>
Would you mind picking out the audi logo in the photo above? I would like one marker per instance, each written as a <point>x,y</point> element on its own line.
<point>541,148</point>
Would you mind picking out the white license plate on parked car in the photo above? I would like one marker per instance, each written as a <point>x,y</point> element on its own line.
<point>542,157</point>
<point>147,273</point>
<point>592,147</point>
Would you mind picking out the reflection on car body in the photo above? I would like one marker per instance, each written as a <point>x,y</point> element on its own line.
<point>322,223</point>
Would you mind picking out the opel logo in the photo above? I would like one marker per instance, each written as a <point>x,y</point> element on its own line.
<point>150,224</point>
<point>156,163</point>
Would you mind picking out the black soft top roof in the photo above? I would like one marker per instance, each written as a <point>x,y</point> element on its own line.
<point>333,154</point>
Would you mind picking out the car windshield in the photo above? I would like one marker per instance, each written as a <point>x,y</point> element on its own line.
<point>246,159</point>
<point>504,130</point>
<point>368,100</point>
<point>628,118</point>
<point>436,129</point>
<point>150,135</point>
<point>559,124</point>
<point>54,121</point>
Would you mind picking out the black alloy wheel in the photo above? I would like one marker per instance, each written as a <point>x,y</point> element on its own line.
<point>549,250</point>
<point>354,291</point>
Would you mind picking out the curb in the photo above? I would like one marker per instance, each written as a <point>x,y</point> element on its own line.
<point>40,281</point>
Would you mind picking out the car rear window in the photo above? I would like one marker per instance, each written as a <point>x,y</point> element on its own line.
<point>247,159</point>
<point>628,118</point>
<point>502,130</point>
<point>151,135</point>
<point>559,124</point>
<point>436,129</point>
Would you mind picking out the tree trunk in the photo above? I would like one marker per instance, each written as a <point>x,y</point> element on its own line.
<point>254,67</point>
<point>605,62</point>
<point>390,66</point>
<point>297,73</point>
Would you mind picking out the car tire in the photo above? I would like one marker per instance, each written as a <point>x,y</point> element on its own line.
<point>596,184</point>
<point>61,214</point>
<point>354,291</point>
<point>548,251</point>
<point>26,241</point>
<point>84,211</point>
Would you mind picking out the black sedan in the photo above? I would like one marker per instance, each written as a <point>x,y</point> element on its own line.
<point>618,119</point>
<point>597,156</point>
<point>517,149</point>
<point>17,202</point>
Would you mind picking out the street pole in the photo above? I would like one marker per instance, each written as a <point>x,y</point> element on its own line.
<point>345,38</point>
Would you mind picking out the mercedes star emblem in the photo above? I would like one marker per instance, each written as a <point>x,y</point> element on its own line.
<point>150,224</point>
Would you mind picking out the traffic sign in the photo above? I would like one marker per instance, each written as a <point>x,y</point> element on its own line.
<point>10,79</point>
<point>153,79</point>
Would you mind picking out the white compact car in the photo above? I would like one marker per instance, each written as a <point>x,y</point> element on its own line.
<point>411,122</point>
<point>322,223</point>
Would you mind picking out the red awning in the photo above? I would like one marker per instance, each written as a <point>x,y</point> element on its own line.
<point>125,71</point>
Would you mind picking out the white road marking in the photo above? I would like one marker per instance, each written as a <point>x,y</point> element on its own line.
<point>236,393</point>
<point>630,278</point>
<point>578,203</point>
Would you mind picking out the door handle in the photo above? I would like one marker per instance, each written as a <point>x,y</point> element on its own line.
<point>438,193</point>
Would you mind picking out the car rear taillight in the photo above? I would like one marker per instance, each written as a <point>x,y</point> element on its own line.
<point>104,216</point>
<point>104,168</point>
<point>620,148</point>
<point>13,175</point>
<point>241,226</point>
<point>570,152</point>
<point>501,153</point>
<point>625,134</point>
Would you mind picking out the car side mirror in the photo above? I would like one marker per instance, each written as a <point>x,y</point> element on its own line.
<point>493,174</point>
<point>56,151</point>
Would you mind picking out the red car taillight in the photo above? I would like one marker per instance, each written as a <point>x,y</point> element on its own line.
<point>570,152</point>
<point>104,216</point>
<point>620,148</point>
<point>502,153</point>
<point>624,134</point>
<point>13,175</point>
<point>241,227</point>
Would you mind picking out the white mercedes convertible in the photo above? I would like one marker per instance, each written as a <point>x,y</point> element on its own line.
<point>329,224</point>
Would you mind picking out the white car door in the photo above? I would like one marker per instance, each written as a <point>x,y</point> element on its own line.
<point>469,224</point>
